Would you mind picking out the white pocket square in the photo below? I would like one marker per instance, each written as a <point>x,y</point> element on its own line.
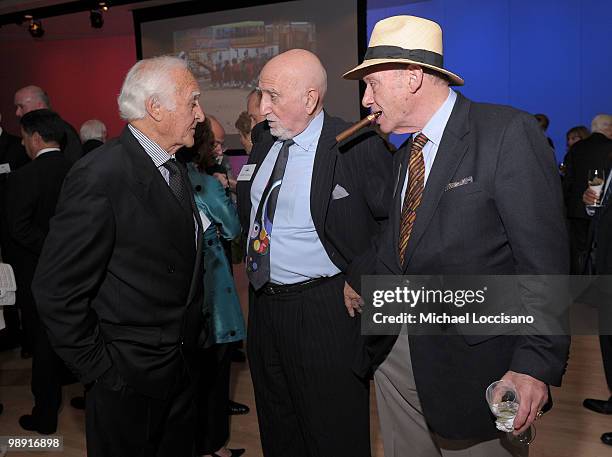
<point>461,182</point>
<point>339,192</point>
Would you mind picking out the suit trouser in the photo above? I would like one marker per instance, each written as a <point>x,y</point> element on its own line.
<point>25,301</point>
<point>309,402</point>
<point>121,422</point>
<point>403,425</point>
<point>579,235</point>
<point>213,426</point>
<point>48,373</point>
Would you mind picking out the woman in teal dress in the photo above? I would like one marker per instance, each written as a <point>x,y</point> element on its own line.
<point>220,222</point>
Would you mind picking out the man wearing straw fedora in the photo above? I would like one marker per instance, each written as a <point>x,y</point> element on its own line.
<point>477,193</point>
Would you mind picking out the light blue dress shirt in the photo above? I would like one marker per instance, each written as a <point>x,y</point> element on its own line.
<point>296,252</point>
<point>433,130</point>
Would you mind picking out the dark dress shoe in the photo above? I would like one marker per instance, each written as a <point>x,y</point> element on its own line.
<point>1,408</point>
<point>606,438</point>
<point>237,409</point>
<point>78,402</point>
<point>234,453</point>
<point>599,406</point>
<point>28,422</point>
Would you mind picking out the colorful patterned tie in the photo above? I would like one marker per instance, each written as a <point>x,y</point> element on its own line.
<point>414,193</point>
<point>258,251</point>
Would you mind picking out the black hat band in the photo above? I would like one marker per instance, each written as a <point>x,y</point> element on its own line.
<point>395,52</point>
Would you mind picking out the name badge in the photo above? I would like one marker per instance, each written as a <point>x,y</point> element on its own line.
<point>246,172</point>
<point>4,168</point>
<point>205,221</point>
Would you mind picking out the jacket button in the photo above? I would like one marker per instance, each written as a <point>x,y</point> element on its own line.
<point>233,333</point>
<point>210,242</point>
<point>170,269</point>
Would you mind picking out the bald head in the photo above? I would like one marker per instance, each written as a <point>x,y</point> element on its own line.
<point>293,86</point>
<point>303,68</point>
<point>30,98</point>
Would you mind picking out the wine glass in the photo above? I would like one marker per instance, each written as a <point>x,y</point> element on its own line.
<point>503,399</point>
<point>596,180</point>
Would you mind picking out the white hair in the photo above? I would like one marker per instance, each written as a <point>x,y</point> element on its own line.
<point>149,78</point>
<point>93,129</point>
<point>602,123</point>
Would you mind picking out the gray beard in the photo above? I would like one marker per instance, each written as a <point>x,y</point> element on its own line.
<point>281,133</point>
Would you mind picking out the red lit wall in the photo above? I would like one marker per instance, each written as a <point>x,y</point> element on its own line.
<point>82,77</point>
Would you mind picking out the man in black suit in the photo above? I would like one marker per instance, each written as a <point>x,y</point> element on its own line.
<point>332,199</point>
<point>600,243</point>
<point>92,134</point>
<point>31,198</point>
<point>594,152</point>
<point>33,97</point>
<point>12,151</point>
<point>477,193</point>
<point>119,283</point>
<point>12,157</point>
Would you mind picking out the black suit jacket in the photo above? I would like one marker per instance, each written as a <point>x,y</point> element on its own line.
<point>590,153</point>
<point>119,282</point>
<point>13,153</point>
<point>346,226</point>
<point>90,145</point>
<point>71,145</point>
<point>31,198</point>
<point>601,233</point>
<point>508,221</point>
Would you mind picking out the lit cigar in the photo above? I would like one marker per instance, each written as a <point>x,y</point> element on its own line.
<point>358,126</point>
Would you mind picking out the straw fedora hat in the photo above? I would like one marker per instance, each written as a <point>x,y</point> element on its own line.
<point>404,39</point>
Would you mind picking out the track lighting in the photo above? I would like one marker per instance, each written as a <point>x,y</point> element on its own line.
<point>96,18</point>
<point>35,27</point>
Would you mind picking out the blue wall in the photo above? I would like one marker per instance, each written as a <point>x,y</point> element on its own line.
<point>542,56</point>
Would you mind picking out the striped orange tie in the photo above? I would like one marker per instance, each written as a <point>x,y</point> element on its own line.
<point>414,193</point>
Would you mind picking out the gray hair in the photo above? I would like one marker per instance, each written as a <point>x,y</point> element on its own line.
<point>149,78</point>
<point>602,123</point>
<point>93,129</point>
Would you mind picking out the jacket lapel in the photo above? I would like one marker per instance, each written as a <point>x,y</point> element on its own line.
<point>323,175</point>
<point>146,182</point>
<point>451,150</point>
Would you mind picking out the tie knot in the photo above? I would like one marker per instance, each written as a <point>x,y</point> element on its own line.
<point>419,142</point>
<point>171,165</point>
<point>288,143</point>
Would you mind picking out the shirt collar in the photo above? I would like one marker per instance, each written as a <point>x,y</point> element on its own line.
<point>42,151</point>
<point>311,133</point>
<point>434,129</point>
<point>158,155</point>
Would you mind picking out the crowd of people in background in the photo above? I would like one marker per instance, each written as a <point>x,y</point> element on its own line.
<point>123,256</point>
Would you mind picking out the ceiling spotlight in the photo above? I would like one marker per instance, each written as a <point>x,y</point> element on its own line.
<point>35,28</point>
<point>96,18</point>
<point>103,6</point>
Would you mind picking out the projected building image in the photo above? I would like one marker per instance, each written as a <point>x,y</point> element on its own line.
<point>228,58</point>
